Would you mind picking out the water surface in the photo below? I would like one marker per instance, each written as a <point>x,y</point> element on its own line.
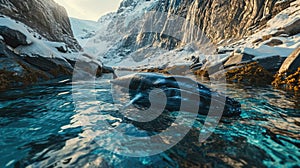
<point>40,126</point>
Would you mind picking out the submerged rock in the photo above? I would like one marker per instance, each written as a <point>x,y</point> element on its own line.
<point>181,94</point>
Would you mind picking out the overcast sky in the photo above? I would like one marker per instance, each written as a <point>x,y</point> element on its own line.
<point>89,9</point>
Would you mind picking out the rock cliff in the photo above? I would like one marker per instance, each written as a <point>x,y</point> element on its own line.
<point>45,16</point>
<point>37,44</point>
<point>221,19</point>
<point>219,22</point>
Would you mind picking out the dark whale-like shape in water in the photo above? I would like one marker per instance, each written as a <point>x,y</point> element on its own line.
<point>178,90</point>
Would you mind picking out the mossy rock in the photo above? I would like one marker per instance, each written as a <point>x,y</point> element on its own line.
<point>174,70</point>
<point>250,74</point>
<point>290,83</point>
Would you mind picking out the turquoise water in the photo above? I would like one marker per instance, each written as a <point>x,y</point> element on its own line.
<point>40,127</point>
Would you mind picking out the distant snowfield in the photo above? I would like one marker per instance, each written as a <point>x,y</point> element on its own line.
<point>98,37</point>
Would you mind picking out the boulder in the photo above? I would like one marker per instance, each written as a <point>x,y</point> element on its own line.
<point>249,74</point>
<point>291,64</point>
<point>54,66</point>
<point>106,69</point>
<point>271,64</point>
<point>238,58</point>
<point>15,72</point>
<point>293,28</point>
<point>12,37</point>
<point>274,42</point>
<point>63,49</point>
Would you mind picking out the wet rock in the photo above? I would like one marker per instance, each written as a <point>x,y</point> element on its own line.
<point>19,71</point>
<point>202,74</point>
<point>173,70</point>
<point>14,72</point>
<point>271,64</point>
<point>291,82</point>
<point>12,37</point>
<point>176,89</point>
<point>250,74</point>
<point>291,64</point>
<point>54,66</point>
<point>238,58</point>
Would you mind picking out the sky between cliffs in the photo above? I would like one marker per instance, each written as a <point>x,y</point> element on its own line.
<point>89,9</point>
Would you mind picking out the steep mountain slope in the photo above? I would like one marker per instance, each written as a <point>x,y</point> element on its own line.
<point>86,29</point>
<point>83,29</point>
<point>163,33</point>
<point>226,19</point>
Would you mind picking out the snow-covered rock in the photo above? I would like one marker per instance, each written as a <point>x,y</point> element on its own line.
<point>46,17</point>
<point>30,52</point>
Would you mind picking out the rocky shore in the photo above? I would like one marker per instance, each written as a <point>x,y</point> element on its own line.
<point>257,52</point>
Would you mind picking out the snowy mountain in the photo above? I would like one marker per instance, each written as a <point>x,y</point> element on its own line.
<point>212,37</point>
<point>83,29</point>
<point>142,33</point>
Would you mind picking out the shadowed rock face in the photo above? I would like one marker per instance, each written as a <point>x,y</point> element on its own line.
<point>177,89</point>
<point>45,16</point>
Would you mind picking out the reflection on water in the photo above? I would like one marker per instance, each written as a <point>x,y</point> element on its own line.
<point>41,127</point>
